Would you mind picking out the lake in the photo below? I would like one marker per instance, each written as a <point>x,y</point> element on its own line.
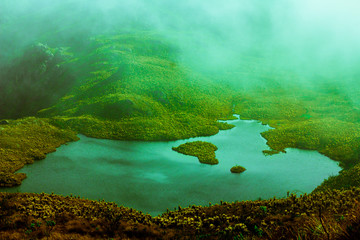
<point>151,177</point>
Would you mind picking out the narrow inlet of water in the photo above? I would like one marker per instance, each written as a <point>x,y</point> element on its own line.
<point>151,177</point>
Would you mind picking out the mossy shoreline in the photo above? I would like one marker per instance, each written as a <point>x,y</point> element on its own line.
<point>164,128</point>
<point>325,121</point>
<point>24,141</point>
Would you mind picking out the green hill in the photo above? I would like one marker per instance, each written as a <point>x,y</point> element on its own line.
<point>131,86</point>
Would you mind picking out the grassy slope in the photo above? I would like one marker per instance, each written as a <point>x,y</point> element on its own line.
<point>325,121</point>
<point>131,87</point>
<point>24,141</point>
<point>127,87</point>
<point>147,95</point>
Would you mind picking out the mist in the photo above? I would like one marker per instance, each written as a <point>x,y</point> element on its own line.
<point>155,104</point>
<point>244,42</point>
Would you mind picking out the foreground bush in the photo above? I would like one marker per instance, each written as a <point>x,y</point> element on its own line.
<point>324,215</point>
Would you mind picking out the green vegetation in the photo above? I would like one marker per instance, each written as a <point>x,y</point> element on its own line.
<point>93,79</point>
<point>324,215</point>
<point>231,117</point>
<point>332,128</point>
<point>131,87</point>
<point>237,169</point>
<point>128,86</point>
<point>224,126</point>
<point>25,140</point>
<point>346,179</point>
<point>204,151</point>
<point>140,128</point>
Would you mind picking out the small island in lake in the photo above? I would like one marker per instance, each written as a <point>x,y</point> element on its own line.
<point>204,151</point>
<point>237,169</point>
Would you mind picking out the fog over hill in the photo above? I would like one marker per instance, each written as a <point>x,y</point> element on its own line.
<point>246,42</point>
<point>151,72</point>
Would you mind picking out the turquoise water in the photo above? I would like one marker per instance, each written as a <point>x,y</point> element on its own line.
<point>150,177</point>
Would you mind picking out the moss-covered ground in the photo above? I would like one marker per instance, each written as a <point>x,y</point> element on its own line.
<point>132,87</point>
<point>325,120</point>
<point>24,141</point>
<point>204,151</point>
<point>324,215</point>
<point>237,169</point>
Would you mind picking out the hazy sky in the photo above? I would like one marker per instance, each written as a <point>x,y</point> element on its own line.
<point>308,37</point>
